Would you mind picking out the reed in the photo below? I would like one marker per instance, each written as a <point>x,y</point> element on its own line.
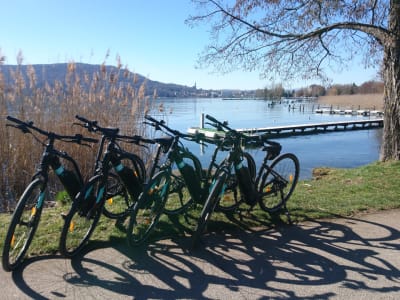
<point>100,96</point>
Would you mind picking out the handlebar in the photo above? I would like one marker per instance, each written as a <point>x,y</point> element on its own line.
<point>135,139</point>
<point>258,140</point>
<point>218,124</point>
<point>92,126</point>
<point>26,127</point>
<point>160,125</point>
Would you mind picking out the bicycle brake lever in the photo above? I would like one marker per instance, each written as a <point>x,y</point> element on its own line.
<point>21,127</point>
<point>153,124</point>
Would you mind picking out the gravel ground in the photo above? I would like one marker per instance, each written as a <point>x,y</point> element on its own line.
<point>345,258</point>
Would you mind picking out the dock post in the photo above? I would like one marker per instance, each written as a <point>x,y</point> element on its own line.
<point>202,120</point>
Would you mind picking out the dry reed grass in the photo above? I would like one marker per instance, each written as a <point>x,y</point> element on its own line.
<point>357,101</point>
<point>53,108</point>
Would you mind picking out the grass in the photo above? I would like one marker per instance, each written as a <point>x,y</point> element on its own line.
<point>331,193</point>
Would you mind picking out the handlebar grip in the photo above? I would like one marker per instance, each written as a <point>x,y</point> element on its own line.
<point>212,119</point>
<point>147,117</point>
<point>15,120</point>
<point>82,119</point>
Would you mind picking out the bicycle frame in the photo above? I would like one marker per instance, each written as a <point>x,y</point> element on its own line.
<point>249,187</point>
<point>109,155</point>
<point>26,216</point>
<point>50,158</point>
<point>175,151</point>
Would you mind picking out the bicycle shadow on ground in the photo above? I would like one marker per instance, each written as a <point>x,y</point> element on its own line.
<point>281,263</point>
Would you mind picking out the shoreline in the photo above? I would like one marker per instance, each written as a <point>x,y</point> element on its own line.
<point>357,101</point>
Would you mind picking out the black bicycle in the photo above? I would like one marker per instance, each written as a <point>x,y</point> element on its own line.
<point>26,216</point>
<point>175,185</point>
<point>114,188</point>
<point>273,186</point>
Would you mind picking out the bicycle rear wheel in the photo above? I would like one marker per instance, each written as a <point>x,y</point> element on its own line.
<point>83,217</point>
<point>148,209</point>
<point>179,197</point>
<point>23,225</point>
<point>232,197</point>
<point>118,198</point>
<point>212,200</point>
<point>278,182</point>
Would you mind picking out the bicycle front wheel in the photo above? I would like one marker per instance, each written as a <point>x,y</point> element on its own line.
<point>278,182</point>
<point>119,198</point>
<point>23,225</point>
<point>83,217</point>
<point>147,210</point>
<point>212,200</point>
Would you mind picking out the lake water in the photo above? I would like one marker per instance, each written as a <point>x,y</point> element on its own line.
<point>344,149</point>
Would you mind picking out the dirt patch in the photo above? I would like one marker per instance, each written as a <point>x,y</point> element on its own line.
<point>318,173</point>
<point>358,101</point>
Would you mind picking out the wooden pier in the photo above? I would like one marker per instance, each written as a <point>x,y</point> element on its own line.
<point>303,129</point>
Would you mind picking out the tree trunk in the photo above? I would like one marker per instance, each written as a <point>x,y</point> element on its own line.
<point>391,132</point>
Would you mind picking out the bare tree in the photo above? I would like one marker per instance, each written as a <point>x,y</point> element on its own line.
<point>306,38</point>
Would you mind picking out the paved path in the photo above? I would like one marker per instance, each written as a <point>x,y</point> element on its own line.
<point>351,258</point>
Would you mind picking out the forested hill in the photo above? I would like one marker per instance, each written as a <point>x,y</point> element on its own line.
<point>86,74</point>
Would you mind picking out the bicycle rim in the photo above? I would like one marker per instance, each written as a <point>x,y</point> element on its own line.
<point>212,200</point>
<point>179,198</point>
<point>148,208</point>
<point>232,197</point>
<point>278,182</point>
<point>23,225</point>
<point>80,223</point>
<point>117,199</point>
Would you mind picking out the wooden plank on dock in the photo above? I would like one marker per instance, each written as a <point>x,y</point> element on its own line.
<point>312,128</point>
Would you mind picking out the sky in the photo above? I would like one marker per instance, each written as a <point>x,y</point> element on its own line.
<point>150,37</point>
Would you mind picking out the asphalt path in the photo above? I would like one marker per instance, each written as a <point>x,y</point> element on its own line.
<point>345,258</point>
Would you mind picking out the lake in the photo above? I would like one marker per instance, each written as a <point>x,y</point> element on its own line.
<point>345,149</point>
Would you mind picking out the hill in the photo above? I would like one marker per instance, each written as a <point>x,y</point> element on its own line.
<point>64,73</point>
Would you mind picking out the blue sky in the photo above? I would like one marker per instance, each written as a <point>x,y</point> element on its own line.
<point>150,37</point>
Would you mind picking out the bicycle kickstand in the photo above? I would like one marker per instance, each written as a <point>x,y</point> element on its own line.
<point>287,214</point>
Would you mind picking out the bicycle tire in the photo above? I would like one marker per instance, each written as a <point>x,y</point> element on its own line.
<point>82,218</point>
<point>232,198</point>
<point>179,198</point>
<point>23,225</point>
<point>117,199</point>
<point>209,206</point>
<point>278,182</point>
<point>148,209</point>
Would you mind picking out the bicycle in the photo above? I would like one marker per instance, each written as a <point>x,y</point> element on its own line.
<point>118,177</point>
<point>26,216</point>
<point>271,188</point>
<point>179,183</point>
